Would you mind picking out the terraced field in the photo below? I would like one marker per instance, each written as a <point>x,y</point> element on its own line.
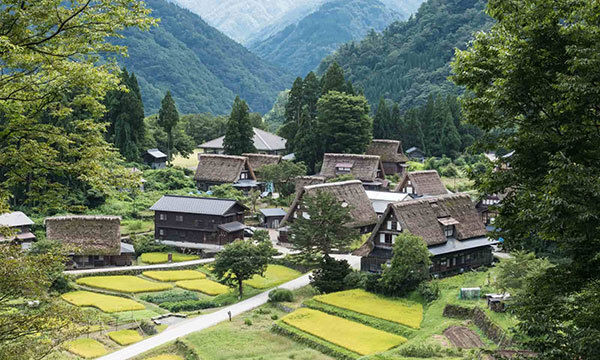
<point>105,303</point>
<point>123,283</point>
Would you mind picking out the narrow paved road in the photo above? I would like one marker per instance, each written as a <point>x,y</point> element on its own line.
<point>140,267</point>
<point>202,322</point>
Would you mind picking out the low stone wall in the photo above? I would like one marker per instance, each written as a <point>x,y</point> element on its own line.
<point>481,320</point>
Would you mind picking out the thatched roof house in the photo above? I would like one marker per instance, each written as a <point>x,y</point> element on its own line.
<point>391,154</point>
<point>259,160</point>
<point>422,183</point>
<point>366,168</point>
<point>214,169</point>
<point>302,181</point>
<point>86,234</point>
<point>351,193</point>
<point>448,224</point>
<point>264,142</point>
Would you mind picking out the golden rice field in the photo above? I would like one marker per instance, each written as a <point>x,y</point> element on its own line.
<point>399,311</point>
<point>205,286</point>
<point>356,337</point>
<point>161,258</point>
<point>106,303</point>
<point>165,357</point>
<point>275,275</point>
<point>85,348</point>
<point>125,337</point>
<point>123,283</point>
<point>174,275</point>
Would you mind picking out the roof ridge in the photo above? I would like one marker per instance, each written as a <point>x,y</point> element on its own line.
<point>236,157</point>
<point>333,184</point>
<point>389,141</point>
<point>198,197</point>
<point>363,156</point>
<point>255,130</point>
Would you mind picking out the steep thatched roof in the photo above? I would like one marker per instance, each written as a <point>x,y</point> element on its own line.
<point>425,217</point>
<point>351,192</point>
<point>259,160</point>
<point>362,167</point>
<point>222,168</point>
<point>387,150</point>
<point>86,235</point>
<point>302,181</point>
<point>424,183</point>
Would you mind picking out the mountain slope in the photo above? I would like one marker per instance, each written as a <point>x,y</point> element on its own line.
<point>203,68</point>
<point>411,59</point>
<point>300,47</point>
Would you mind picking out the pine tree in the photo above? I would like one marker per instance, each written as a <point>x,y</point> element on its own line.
<point>307,142</point>
<point>293,112</point>
<point>381,122</point>
<point>311,93</point>
<point>239,133</point>
<point>396,123</point>
<point>168,117</point>
<point>333,80</point>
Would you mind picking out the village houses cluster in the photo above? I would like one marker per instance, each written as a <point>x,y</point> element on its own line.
<point>451,225</point>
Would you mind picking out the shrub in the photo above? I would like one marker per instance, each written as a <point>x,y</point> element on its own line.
<point>248,322</point>
<point>372,283</point>
<point>148,327</point>
<point>421,350</point>
<point>135,225</point>
<point>274,317</point>
<point>147,244</point>
<point>329,277</point>
<point>429,291</point>
<point>280,295</point>
<point>189,305</point>
<point>170,296</point>
<point>355,280</point>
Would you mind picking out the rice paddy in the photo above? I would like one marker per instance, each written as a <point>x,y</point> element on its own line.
<point>174,275</point>
<point>86,348</point>
<point>161,258</point>
<point>205,286</point>
<point>275,275</point>
<point>123,283</point>
<point>105,303</point>
<point>125,337</point>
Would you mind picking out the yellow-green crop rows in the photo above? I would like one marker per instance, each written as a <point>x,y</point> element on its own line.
<point>205,286</point>
<point>123,283</point>
<point>396,310</point>
<point>125,337</point>
<point>174,275</point>
<point>86,348</point>
<point>165,357</point>
<point>348,334</point>
<point>106,303</point>
<point>275,275</point>
<point>161,258</point>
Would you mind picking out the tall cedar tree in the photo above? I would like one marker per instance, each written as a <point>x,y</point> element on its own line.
<point>333,80</point>
<point>239,133</point>
<point>168,117</point>
<point>535,77</point>
<point>307,142</point>
<point>381,121</point>
<point>125,115</point>
<point>325,228</point>
<point>343,123</point>
<point>311,91</point>
<point>293,112</point>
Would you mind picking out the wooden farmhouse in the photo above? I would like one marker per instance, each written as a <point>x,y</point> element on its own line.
<point>15,227</point>
<point>422,183</point>
<point>350,193</point>
<point>155,158</point>
<point>214,169</point>
<point>391,155</point>
<point>416,154</point>
<point>366,168</point>
<point>271,218</point>
<point>449,225</point>
<point>92,240</point>
<point>264,142</point>
<point>486,208</point>
<point>204,221</point>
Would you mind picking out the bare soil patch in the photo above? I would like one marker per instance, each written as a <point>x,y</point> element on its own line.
<point>463,337</point>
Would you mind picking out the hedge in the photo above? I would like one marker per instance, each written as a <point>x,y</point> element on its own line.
<point>189,305</point>
<point>170,296</point>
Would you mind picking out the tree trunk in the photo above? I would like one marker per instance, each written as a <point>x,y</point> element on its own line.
<point>169,148</point>
<point>240,291</point>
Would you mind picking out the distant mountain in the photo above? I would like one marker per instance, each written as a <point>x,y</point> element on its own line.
<point>300,47</point>
<point>404,7</point>
<point>203,68</point>
<point>246,20</point>
<point>410,60</point>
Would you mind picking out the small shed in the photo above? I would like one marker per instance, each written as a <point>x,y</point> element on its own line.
<point>155,158</point>
<point>271,218</point>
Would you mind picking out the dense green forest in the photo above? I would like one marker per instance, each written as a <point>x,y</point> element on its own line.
<point>410,60</point>
<point>300,47</point>
<point>203,68</point>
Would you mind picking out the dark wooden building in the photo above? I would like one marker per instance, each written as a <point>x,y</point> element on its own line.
<point>198,220</point>
<point>93,241</point>
<point>487,208</point>
<point>214,169</point>
<point>416,154</point>
<point>18,229</point>
<point>271,218</point>
<point>366,168</point>
<point>155,158</point>
<point>449,225</point>
<point>421,183</point>
<point>391,155</point>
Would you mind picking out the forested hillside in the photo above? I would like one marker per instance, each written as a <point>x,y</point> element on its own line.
<point>300,47</point>
<point>203,68</point>
<point>410,60</point>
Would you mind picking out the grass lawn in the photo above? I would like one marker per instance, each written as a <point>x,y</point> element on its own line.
<point>106,303</point>
<point>125,337</point>
<point>275,275</point>
<point>136,226</point>
<point>205,286</point>
<point>174,275</point>
<point>161,258</point>
<point>396,310</point>
<point>86,348</point>
<point>189,162</point>
<point>123,283</point>
<point>348,334</point>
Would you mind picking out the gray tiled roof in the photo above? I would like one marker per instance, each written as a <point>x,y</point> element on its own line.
<point>232,226</point>
<point>263,141</point>
<point>453,245</point>
<point>273,212</point>
<point>16,218</point>
<point>193,205</point>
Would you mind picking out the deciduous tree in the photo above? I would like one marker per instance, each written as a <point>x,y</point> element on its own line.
<point>282,175</point>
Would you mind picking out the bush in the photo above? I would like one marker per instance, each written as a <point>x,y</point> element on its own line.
<point>148,327</point>
<point>281,295</point>
<point>372,283</point>
<point>135,225</point>
<point>355,280</point>
<point>421,351</point>
<point>429,291</point>
<point>329,277</point>
<point>248,322</point>
<point>274,317</point>
<point>62,284</point>
<point>147,244</point>
<point>170,296</point>
<point>189,305</point>
<point>167,179</point>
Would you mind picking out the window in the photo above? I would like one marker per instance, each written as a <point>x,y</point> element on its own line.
<point>244,175</point>
<point>389,225</point>
<point>161,232</point>
<point>179,218</point>
<point>449,231</point>
<point>342,169</point>
<point>382,238</point>
<point>408,190</point>
<point>162,217</point>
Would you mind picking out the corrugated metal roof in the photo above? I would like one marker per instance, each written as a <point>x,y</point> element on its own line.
<point>232,226</point>
<point>193,205</point>
<point>273,212</point>
<point>263,141</point>
<point>157,154</point>
<point>453,245</point>
<point>16,218</point>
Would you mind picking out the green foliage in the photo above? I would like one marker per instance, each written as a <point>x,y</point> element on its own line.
<point>282,175</point>
<point>275,118</point>
<point>189,305</point>
<point>261,235</point>
<point>409,266</point>
<point>533,79</point>
<point>274,317</point>
<point>170,296</point>
<point>429,291</point>
<point>227,191</point>
<point>281,295</point>
<point>239,132</point>
<point>247,322</point>
<point>514,273</point>
<point>409,60</point>
<point>344,177</point>
<point>203,127</point>
<point>147,244</point>
<point>329,276</point>
<point>241,260</point>
<point>156,137</point>
<point>167,179</point>
<point>148,327</point>
<point>201,66</point>
<point>355,280</point>
<point>333,80</point>
<point>168,117</point>
<point>325,229</point>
